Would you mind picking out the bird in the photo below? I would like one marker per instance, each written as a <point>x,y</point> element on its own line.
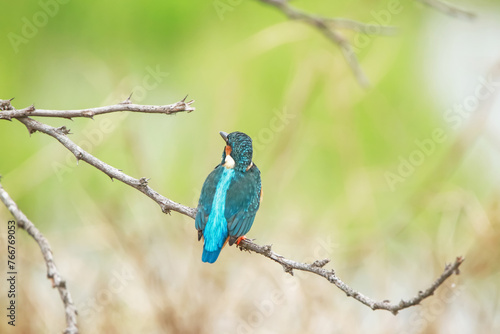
<point>230,197</point>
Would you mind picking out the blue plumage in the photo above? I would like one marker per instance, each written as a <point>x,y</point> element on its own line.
<point>215,231</point>
<point>230,197</point>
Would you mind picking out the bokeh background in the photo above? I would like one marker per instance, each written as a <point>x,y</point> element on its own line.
<point>390,182</point>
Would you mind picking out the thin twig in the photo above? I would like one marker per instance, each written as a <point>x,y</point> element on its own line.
<point>317,268</point>
<point>52,272</point>
<point>288,265</point>
<point>365,28</point>
<point>448,8</point>
<point>9,112</point>
<point>327,27</point>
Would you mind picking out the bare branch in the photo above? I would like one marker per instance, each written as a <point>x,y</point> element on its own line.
<point>448,8</point>
<point>168,205</point>
<point>8,112</point>
<point>140,184</point>
<point>317,268</point>
<point>328,27</point>
<point>52,272</point>
<point>365,28</point>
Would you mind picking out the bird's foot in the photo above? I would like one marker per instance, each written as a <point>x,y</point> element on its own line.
<point>239,239</point>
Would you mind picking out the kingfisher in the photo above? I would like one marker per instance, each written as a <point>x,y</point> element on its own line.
<point>230,197</point>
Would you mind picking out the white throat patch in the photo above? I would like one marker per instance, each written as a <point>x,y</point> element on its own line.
<point>229,162</point>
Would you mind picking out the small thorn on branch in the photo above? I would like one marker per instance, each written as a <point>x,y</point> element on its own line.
<point>143,181</point>
<point>128,100</point>
<point>288,269</point>
<point>5,104</point>
<point>52,281</point>
<point>78,156</point>
<point>88,113</point>
<point>459,261</point>
<point>165,209</point>
<point>31,108</point>
<point>64,130</point>
<point>352,294</point>
<point>267,249</point>
<point>185,105</point>
<point>320,263</point>
<point>31,130</point>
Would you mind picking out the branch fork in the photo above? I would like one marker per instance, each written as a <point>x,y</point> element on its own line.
<point>166,205</point>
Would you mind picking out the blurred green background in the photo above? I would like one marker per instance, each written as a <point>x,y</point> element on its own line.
<point>390,182</point>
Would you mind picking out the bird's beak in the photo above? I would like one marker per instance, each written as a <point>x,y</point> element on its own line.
<point>224,135</point>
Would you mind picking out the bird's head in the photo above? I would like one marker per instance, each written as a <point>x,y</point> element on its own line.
<point>238,151</point>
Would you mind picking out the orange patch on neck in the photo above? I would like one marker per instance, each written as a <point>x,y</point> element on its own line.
<point>228,150</point>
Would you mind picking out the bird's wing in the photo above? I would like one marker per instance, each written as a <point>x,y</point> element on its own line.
<point>242,201</point>
<point>206,199</point>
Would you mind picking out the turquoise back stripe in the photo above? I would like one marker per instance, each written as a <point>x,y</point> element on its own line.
<point>215,231</point>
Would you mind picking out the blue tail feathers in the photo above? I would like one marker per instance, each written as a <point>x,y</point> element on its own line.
<point>215,231</point>
<point>210,257</point>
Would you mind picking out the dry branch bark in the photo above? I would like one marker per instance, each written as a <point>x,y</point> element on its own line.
<point>10,112</point>
<point>52,272</point>
<point>317,268</point>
